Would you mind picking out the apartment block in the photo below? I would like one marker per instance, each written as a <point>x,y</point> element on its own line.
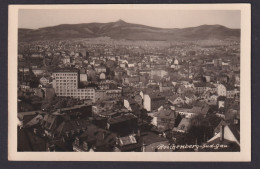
<point>66,82</point>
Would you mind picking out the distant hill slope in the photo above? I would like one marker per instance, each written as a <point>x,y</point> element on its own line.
<point>124,30</point>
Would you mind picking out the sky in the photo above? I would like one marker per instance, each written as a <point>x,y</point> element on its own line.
<point>38,18</point>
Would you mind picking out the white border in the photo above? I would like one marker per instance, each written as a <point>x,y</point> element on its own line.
<point>245,104</point>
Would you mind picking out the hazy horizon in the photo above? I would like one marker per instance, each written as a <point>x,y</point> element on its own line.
<point>39,18</point>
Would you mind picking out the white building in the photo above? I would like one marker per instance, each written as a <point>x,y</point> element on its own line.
<point>153,101</point>
<point>66,60</point>
<point>44,80</point>
<point>221,90</point>
<point>159,72</point>
<point>147,102</point>
<point>65,83</point>
<point>102,76</point>
<point>232,93</point>
<point>83,77</point>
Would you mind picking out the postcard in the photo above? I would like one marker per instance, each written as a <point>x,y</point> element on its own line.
<point>129,82</point>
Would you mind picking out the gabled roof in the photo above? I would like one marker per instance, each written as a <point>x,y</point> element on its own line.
<point>136,109</point>
<point>156,96</point>
<point>150,138</point>
<point>46,77</point>
<point>118,69</point>
<point>196,110</point>
<point>21,115</point>
<point>222,122</point>
<point>131,143</point>
<point>174,97</point>
<point>127,140</point>
<point>231,134</point>
<point>98,137</point>
<point>190,95</point>
<point>28,141</point>
<point>34,121</point>
<point>68,125</point>
<point>184,125</point>
<point>69,70</point>
<point>234,129</point>
<point>100,67</point>
<point>204,85</point>
<point>122,118</point>
<point>49,119</point>
<point>169,114</point>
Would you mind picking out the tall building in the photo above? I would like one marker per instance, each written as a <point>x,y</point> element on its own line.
<point>66,83</point>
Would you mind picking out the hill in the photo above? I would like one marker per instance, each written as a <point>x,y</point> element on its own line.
<point>129,31</point>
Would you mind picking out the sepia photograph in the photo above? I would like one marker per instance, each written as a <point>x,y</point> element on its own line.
<point>114,81</point>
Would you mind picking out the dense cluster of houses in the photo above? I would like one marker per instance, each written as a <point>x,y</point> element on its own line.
<point>125,101</point>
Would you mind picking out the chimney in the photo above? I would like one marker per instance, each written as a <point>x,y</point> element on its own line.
<point>117,141</point>
<point>67,134</point>
<point>222,127</point>
<point>138,133</point>
<point>143,147</point>
<point>103,135</point>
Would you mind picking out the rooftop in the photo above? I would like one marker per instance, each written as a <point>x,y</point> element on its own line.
<point>122,118</point>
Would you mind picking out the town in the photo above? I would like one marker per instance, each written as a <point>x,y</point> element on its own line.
<point>108,95</point>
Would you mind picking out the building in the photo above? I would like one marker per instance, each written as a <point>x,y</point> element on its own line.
<point>158,73</point>
<point>114,93</point>
<point>190,98</point>
<point>49,93</point>
<point>123,125</point>
<point>83,76</point>
<point>131,80</point>
<point>100,95</point>
<point>184,126</point>
<point>65,83</point>
<point>102,76</point>
<point>221,90</point>
<point>203,87</point>
<point>165,86</point>
<point>28,141</point>
<point>130,143</point>
<point>194,111</point>
<point>153,101</point>
<point>38,71</point>
<point>25,70</point>
<point>228,137</point>
<point>176,100</point>
<point>82,111</point>
<point>100,69</point>
<point>94,139</point>
<point>50,123</point>
<point>66,60</point>
<point>164,119</point>
<point>44,80</point>
<point>70,128</point>
<point>153,143</point>
<point>37,55</point>
<point>232,93</point>
<point>131,64</point>
<point>128,103</point>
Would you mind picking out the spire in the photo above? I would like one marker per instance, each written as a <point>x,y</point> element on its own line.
<point>120,21</point>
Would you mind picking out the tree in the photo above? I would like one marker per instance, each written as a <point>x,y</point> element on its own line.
<point>144,116</point>
<point>46,104</point>
<point>60,104</point>
<point>213,119</point>
<point>71,102</point>
<point>200,128</point>
<point>34,82</point>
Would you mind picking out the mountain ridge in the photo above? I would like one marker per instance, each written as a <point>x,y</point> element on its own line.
<point>124,30</point>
